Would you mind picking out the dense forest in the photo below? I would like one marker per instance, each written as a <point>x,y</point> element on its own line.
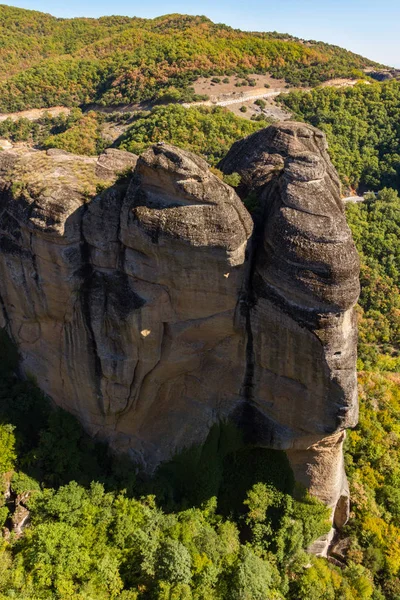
<point>375,224</point>
<point>363,130</point>
<point>45,61</point>
<point>209,132</point>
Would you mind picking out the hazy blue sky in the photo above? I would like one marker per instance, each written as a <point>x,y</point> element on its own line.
<point>369,27</point>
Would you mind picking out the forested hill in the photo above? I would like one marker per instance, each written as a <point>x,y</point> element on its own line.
<point>46,61</point>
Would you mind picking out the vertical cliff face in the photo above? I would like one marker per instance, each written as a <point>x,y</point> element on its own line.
<point>123,307</point>
<point>302,289</point>
<point>153,310</point>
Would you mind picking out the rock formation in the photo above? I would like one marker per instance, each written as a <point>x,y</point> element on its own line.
<point>152,309</point>
<point>303,286</point>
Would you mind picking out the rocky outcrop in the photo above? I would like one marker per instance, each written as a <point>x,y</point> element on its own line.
<point>383,74</point>
<point>155,308</point>
<point>303,286</point>
<point>18,513</point>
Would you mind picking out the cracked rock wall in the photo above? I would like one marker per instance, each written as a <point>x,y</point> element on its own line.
<point>156,307</point>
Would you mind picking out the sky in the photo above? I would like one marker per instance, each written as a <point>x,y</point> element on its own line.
<point>368,27</point>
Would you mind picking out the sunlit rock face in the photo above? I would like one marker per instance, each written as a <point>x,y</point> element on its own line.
<point>303,285</point>
<point>155,307</point>
<point>124,306</point>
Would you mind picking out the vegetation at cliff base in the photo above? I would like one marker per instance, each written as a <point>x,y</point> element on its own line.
<point>373,467</point>
<point>97,530</point>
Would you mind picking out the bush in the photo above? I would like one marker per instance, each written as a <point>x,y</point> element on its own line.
<point>261,103</point>
<point>7,448</point>
<point>233,179</point>
<point>260,118</point>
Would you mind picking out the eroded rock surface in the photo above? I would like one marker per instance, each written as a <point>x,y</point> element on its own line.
<point>303,285</point>
<point>154,308</point>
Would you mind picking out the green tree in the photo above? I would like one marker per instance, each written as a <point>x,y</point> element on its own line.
<point>252,578</point>
<point>209,132</point>
<point>173,562</point>
<point>7,448</point>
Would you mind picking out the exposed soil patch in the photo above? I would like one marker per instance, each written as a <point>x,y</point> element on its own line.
<point>341,82</point>
<point>228,85</point>
<point>35,113</point>
<point>271,110</point>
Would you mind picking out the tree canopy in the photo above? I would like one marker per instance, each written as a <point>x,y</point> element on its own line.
<point>209,132</point>
<point>47,61</point>
<point>362,127</point>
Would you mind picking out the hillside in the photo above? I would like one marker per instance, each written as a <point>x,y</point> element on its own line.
<point>123,301</point>
<point>362,127</point>
<point>46,61</point>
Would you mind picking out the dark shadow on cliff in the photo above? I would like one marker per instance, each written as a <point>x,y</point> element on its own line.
<point>51,445</point>
<point>53,449</point>
<point>223,467</point>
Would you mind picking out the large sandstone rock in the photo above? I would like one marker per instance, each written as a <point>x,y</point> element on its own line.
<point>153,310</point>
<point>301,326</point>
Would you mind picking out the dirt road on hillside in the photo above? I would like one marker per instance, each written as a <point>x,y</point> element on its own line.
<point>35,113</point>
